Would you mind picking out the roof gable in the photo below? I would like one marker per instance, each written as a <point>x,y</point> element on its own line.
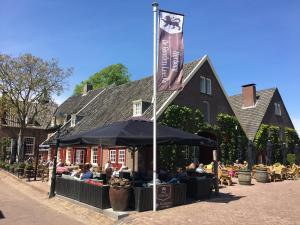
<point>251,118</point>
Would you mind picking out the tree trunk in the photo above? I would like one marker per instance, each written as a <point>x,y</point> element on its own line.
<point>13,150</point>
<point>21,145</point>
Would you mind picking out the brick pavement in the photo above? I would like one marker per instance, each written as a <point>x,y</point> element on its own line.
<point>272,203</point>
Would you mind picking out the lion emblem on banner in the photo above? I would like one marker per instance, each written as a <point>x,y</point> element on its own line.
<point>171,21</point>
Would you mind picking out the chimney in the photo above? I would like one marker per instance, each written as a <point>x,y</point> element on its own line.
<point>87,87</point>
<point>249,95</point>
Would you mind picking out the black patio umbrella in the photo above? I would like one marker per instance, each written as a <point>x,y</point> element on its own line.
<point>135,132</point>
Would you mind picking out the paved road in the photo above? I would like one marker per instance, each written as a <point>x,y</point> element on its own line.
<point>20,209</point>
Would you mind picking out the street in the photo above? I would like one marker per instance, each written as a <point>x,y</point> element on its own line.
<point>18,208</point>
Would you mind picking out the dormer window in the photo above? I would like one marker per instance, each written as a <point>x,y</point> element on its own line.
<point>277,109</point>
<point>73,120</point>
<point>137,108</point>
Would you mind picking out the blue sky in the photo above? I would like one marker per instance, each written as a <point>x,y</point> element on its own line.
<point>247,40</point>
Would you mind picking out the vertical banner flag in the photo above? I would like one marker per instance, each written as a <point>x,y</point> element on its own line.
<point>171,51</point>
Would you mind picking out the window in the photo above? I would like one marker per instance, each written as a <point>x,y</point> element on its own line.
<point>206,112</point>
<point>121,156</point>
<point>73,120</point>
<point>187,152</point>
<point>58,154</point>
<point>29,145</point>
<point>208,86</point>
<point>94,155</point>
<point>137,108</point>
<point>112,156</point>
<point>79,159</point>
<point>203,85</point>
<point>68,155</point>
<point>277,109</point>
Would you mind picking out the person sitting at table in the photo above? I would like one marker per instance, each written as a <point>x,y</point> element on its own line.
<point>123,167</point>
<point>181,174</point>
<point>108,170</point>
<point>115,173</point>
<point>76,173</point>
<point>108,165</point>
<point>87,174</point>
<point>200,169</point>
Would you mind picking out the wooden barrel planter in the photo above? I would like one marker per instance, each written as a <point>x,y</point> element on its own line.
<point>119,198</point>
<point>262,175</point>
<point>244,177</point>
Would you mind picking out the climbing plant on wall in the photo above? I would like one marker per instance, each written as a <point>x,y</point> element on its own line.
<point>230,134</point>
<point>261,137</point>
<point>291,138</point>
<point>183,118</point>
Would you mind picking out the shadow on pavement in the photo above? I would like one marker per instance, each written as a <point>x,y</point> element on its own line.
<point>1,215</point>
<point>224,198</point>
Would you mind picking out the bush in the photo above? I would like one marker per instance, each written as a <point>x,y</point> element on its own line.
<point>21,165</point>
<point>7,166</point>
<point>28,167</point>
<point>290,159</point>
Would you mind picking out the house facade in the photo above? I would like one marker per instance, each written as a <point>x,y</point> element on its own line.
<point>34,134</point>
<point>253,108</point>
<point>202,90</point>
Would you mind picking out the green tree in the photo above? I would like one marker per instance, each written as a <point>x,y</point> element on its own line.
<point>27,84</point>
<point>114,74</point>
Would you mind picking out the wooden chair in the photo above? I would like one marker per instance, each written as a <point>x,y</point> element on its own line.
<point>224,177</point>
<point>293,173</point>
<point>280,172</point>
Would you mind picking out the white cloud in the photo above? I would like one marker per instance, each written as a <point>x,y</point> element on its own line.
<point>296,122</point>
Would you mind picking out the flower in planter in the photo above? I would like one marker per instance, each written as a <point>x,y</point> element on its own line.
<point>119,182</point>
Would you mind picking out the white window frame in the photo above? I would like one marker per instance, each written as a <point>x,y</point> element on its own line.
<point>137,108</point>
<point>79,158</point>
<point>73,120</point>
<point>208,86</point>
<point>58,154</point>
<point>122,156</point>
<point>203,82</point>
<point>68,155</point>
<point>277,109</point>
<point>94,157</point>
<point>32,145</point>
<point>112,152</point>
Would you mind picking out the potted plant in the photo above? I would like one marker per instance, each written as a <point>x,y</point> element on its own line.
<point>119,192</point>
<point>244,176</point>
<point>20,169</point>
<point>28,171</point>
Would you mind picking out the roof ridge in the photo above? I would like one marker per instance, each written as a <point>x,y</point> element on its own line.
<point>261,90</point>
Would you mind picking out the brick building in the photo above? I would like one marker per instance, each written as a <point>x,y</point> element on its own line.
<point>95,108</point>
<point>34,134</point>
<point>253,108</point>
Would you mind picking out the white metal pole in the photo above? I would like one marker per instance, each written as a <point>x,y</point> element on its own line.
<point>155,9</point>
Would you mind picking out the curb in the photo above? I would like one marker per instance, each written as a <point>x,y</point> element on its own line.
<point>107,212</point>
<point>24,182</point>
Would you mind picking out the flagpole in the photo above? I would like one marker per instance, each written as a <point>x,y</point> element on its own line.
<point>155,9</point>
